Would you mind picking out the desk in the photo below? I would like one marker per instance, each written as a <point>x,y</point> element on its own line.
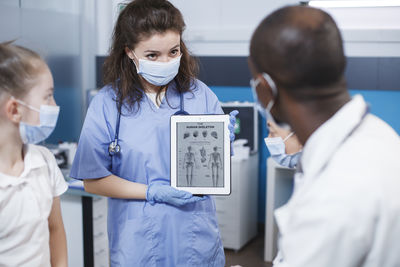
<point>279,189</point>
<point>85,223</point>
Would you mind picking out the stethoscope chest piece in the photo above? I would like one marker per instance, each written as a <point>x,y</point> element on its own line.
<point>114,148</point>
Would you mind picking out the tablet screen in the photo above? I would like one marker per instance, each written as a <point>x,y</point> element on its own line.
<point>199,157</point>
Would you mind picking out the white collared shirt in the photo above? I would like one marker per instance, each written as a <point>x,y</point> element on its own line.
<point>25,205</point>
<point>345,209</point>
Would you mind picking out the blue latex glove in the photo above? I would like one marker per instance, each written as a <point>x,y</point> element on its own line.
<point>231,127</point>
<point>162,193</point>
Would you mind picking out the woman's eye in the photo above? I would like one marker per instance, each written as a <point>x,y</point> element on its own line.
<point>175,52</point>
<point>151,56</point>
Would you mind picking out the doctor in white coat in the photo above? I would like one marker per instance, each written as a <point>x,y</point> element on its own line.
<point>345,209</point>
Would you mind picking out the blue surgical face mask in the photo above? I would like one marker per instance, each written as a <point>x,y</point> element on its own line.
<point>276,147</point>
<point>33,134</point>
<point>265,112</point>
<point>158,73</point>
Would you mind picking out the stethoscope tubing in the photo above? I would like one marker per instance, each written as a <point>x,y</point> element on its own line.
<point>114,147</point>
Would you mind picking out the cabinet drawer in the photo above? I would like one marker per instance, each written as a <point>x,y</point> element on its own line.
<point>229,225</point>
<point>224,205</point>
<point>100,235</point>
<point>227,215</point>
<point>101,260</point>
<point>100,250</point>
<point>228,200</point>
<point>230,238</point>
<point>100,245</point>
<point>99,216</point>
<point>99,228</point>
<point>99,203</point>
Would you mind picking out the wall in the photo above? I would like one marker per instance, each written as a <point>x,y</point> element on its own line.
<point>224,27</point>
<point>61,32</point>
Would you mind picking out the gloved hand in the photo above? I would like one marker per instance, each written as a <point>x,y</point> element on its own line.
<point>231,127</point>
<point>162,193</point>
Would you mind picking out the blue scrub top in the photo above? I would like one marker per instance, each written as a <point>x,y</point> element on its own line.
<point>141,234</point>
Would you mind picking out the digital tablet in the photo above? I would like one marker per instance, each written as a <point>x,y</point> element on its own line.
<point>200,154</point>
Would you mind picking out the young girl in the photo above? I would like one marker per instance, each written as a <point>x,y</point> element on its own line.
<point>31,228</point>
<point>283,145</point>
<point>149,76</point>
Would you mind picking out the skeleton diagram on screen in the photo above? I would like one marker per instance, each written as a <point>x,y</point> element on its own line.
<point>188,163</point>
<point>215,163</point>
<point>203,155</point>
<point>195,143</point>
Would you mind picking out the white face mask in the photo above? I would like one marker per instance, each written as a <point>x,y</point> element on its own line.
<point>266,112</point>
<point>33,134</point>
<point>158,73</point>
<point>276,147</point>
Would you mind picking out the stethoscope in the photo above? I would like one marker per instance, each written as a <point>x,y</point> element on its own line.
<point>114,148</point>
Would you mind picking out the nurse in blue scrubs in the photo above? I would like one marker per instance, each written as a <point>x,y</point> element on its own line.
<point>149,76</point>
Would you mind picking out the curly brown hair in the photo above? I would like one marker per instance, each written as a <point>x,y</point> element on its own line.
<point>139,20</point>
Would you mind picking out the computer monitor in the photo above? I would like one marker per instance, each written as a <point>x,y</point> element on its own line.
<point>247,122</point>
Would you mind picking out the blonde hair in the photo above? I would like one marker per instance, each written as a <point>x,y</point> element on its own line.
<point>19,67</point>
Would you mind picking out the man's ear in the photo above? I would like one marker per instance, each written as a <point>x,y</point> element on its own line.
<point>12,110</point>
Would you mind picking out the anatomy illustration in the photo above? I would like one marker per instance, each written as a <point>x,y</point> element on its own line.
<point>188,163</point>
<point>215,163</point>
<point>203,155</point>
<point>199,155</point>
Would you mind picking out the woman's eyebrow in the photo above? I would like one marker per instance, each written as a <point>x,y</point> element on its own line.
<point>176,46</point>
<point>152,51</point>
<point>156,51</point>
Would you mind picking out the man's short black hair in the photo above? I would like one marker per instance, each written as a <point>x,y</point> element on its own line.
<point>300,48</point>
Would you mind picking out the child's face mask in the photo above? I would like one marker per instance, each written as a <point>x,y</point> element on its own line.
<point>276,147</point>
<point>33,134</point>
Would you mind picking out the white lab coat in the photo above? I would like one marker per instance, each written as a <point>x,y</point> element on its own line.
<point>345,209</point>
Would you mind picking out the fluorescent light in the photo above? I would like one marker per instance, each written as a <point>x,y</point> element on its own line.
<point>354,3</point>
